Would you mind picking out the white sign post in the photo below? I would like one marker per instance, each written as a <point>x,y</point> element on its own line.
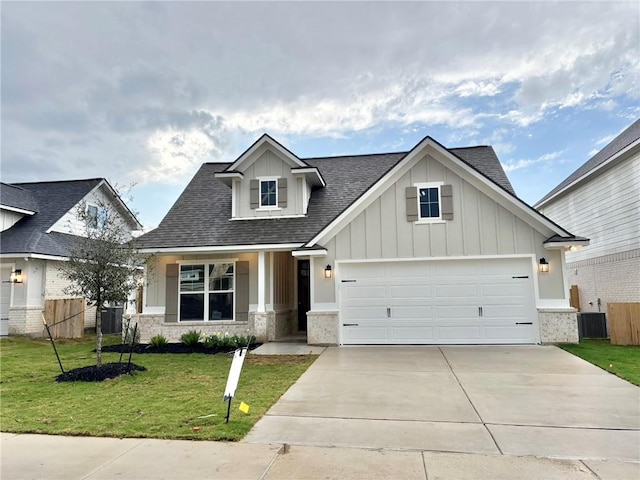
<point>234,377</point>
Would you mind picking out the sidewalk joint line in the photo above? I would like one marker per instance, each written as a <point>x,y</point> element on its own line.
<point>470,402</point>
<point>100,467</point>
<point>273,460</point>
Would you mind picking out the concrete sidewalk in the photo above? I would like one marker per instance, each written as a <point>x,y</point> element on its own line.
<point>70,458</point>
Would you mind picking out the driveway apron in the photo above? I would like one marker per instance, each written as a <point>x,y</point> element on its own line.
<point>524,400</point>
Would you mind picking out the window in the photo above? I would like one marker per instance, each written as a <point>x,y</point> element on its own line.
<point>429,202</point>
<point>268,193</point>
<point>95,216</point>
<point>207,292</point>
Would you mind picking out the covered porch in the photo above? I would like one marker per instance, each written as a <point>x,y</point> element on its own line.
<point>265,292</point>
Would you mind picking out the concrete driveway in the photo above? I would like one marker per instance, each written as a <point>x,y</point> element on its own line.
<point>524,400</point>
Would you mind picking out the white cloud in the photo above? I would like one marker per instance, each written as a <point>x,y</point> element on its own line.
<point>526,163</point>
<point>175,155</point>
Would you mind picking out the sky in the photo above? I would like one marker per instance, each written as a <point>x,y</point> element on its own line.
<point>143,93</point>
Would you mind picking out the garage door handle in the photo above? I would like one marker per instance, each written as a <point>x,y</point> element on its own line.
<point>479,311</point>
<point>349,324</point>
<point>388,312</point>
<point>524,323</point>
<point>521,276</point>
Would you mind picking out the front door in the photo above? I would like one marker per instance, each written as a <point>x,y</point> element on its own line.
<point>304,293</point>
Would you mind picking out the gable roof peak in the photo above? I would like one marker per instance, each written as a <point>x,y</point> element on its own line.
<point>265,138</point>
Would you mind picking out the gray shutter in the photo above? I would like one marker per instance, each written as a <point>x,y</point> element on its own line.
<point>254,193</point>
<point>411,194</point>
<point>282,192</point>
<point>242,291</point>
<point>171,293</point>
<point>446,202</point>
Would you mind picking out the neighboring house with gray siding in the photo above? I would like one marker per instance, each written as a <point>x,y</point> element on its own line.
<point>601,200</point>
<point>39,221</point>
<point>430,246</point>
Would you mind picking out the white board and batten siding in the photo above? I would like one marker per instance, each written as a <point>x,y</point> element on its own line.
<point>8,219</point>
<point>461,301</point>
<point>606,209</point>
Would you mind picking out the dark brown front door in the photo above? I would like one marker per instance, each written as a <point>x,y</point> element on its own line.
<point>304,294</point>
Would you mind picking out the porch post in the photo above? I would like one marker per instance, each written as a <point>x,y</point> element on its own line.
<point>261,281</point>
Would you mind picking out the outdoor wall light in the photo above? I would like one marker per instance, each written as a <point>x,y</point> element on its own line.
<point>16,276</point>
<point>543,266</point>
<point>327,271</point>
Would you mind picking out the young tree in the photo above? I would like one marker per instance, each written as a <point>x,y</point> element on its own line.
<point>104,265</point>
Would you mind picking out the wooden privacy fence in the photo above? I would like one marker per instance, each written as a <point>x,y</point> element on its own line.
<point>65,317</point>
<point>624,323</point>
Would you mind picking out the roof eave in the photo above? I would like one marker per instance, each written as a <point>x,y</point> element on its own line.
<point>613,158</point>
<point>312,174</point>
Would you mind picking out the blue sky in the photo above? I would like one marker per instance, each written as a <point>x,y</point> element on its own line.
<point>145,93</point>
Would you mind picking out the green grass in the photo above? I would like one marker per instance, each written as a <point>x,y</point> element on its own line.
<point>163,402</point>
<point>623,361</point>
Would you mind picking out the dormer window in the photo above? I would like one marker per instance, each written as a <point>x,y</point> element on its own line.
<point>268,193</point>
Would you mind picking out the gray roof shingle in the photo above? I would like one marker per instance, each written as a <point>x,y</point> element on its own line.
<point>52,201</point>
<point>17,197</point>
<point>200,216</point>
<point>623,140</point>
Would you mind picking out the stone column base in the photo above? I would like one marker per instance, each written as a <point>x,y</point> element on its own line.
<point>558,325</point>
<point>322,328</point>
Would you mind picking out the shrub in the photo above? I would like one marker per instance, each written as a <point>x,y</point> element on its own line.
<point>191,338</point>
<point>159,341</point>
<point>210,341</point>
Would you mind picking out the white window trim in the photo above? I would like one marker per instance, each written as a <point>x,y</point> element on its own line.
<point>267,207</point>
<point>206,291</point>
<point>428,220</point>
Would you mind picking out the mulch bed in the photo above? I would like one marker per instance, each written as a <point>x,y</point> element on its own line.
<point>169,348</point>
<point>93,373</point>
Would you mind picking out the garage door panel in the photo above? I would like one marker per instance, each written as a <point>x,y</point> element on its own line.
<point>459,332</point>
<point>456,291</point>
<point>366,291</point>
<point>367,313</point>
<point>457,312</point>
<point>409,291</point>
<point>409,334</point>
<point>439,302</point>
<point>418,311</point>
<point>367,335</point>
<point>409,270</point>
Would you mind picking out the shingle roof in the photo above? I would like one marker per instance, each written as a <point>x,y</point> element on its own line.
<point>53,200</point>
<point>623,140</point>
<point>485,160</point>
<point>200,216</point>
<point>17,197</point>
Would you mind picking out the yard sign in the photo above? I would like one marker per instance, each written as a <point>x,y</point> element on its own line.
<point>234,377</point>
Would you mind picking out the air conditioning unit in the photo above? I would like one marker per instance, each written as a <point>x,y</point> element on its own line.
<point>592,325</point>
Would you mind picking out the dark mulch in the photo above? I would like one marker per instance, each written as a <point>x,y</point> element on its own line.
<point>169,348</point>
<point>93,373</point>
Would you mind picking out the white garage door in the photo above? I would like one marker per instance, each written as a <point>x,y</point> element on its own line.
<point>438,302</point>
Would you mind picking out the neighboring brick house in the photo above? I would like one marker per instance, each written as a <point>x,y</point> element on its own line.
<point>601,200</point>
<point>430,246</point>
<point>38,222</point>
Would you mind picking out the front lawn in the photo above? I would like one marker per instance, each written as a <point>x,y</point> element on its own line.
<point>163,402</point>
<point>621,360</point>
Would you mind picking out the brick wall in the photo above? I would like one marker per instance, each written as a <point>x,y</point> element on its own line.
<point>612,278</point>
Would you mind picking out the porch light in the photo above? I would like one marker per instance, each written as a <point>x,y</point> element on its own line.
<point>543,266</point>
<point>16,276</point>
<point>327,271</point>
